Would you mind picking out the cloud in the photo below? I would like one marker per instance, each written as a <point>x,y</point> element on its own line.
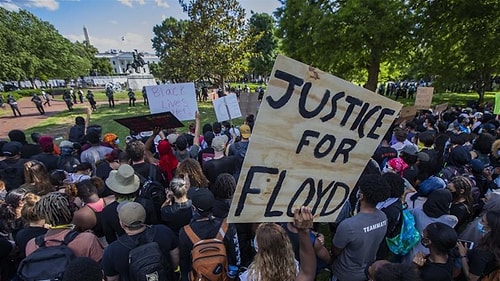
<point>8,5</point>
<point>162,3</point>
<point>126,2</point>
<point>131,41</point>
<point>130,2</point>
<point>48,4</point>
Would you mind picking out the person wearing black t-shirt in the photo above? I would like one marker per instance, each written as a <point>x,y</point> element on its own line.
<point>438,265</point>
<point>35,227</point>
<point>124,183</point>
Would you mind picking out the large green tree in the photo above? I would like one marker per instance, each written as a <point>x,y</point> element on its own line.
<point>264,50</point>
<point>33,49</point>
<point>347,37</point>
<point>173,50</point>
<point>214,44</point>
<point>459,42</point>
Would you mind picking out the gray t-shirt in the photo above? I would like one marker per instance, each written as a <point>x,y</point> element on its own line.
<point>359,237</point>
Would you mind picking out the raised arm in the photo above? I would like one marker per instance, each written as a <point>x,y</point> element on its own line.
<point>303,218</point>
<point>196,140</point>
<point>149,157</point>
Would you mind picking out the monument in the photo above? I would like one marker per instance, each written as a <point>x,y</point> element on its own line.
<point>138,77</point>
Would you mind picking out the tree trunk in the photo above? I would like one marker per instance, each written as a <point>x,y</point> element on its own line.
<point>373,71</point>
<point>482,84</point>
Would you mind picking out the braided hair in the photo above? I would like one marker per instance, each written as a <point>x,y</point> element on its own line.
<point>56,207</point>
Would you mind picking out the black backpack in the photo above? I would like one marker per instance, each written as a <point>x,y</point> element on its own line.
<point>47,262</point>
<point>152,189</point>
<point>146,260</point>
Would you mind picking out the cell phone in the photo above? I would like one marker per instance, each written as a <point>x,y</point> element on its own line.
<point>467,243</point>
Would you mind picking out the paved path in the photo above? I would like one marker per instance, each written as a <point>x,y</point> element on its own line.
<point>30,115</point>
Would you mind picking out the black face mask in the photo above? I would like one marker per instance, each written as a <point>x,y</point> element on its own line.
<point>425,242</point>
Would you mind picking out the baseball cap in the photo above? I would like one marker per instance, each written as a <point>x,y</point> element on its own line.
<point>410,149</point>
<point>131,214</point>
<point>219,143</point>
<point>11,148</point>
<point>202,199</point>
<point>172,138</point>
<point>245,131</point>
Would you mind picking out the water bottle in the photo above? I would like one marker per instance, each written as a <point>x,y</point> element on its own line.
<point>232,271</point>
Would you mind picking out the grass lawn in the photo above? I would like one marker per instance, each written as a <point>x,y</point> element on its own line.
<point>58,125</point>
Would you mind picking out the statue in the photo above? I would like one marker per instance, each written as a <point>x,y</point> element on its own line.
<point>137,63</point>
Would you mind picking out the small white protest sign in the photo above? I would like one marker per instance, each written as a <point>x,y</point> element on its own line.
<point>312,139</point>
<point>423,99</point>
<point>227,108</point>
<point>180,99</point>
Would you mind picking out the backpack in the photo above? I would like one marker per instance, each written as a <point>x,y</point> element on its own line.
<point>208,256</point>
<point>146,260</point>
<point>409,236</point>
<point>47,262</point>
<point>152,189</point>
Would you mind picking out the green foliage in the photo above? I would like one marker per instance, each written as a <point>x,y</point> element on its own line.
<point>460,42</point>
<point>264,50</point>
<point>31,48</point>
<point>212,45</point>
<point>170,45</point>
<point>351,39</point>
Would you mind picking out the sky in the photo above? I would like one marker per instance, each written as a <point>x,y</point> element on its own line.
<point>115,24</point>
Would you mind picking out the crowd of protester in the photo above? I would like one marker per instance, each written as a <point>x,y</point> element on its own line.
<point>427,206</point>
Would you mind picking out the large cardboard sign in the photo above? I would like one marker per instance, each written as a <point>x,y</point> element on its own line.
<point>312,138</point>
<point>180,99</point>
<point>423,99</point>
<point>164,120</point>
<point>226,108</point>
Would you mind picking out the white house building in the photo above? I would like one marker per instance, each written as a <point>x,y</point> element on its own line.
<point>119,60</point>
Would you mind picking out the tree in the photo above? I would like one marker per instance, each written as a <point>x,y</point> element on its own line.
<point>33,49</point>
<point>346,37</point>
<point>170,45</point>
<point>459,42</point>
<point>218,41</point>
<point>264,50</point>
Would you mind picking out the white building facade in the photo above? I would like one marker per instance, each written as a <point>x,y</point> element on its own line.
<point>120,60</point>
